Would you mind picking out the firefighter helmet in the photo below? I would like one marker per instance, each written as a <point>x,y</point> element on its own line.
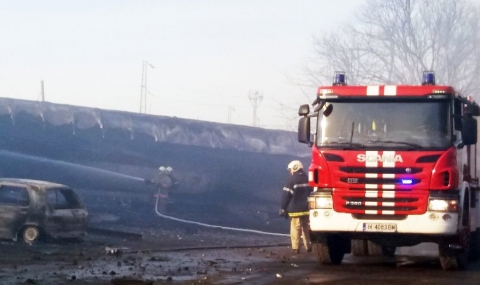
<point>295,165</point>
<point>162,168</point>
<point>169,169</point>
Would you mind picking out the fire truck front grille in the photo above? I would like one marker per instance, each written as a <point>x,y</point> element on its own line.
<point>380,170</point>
<point>380,190</point>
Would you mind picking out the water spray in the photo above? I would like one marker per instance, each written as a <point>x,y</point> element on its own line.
<point>107,172</point>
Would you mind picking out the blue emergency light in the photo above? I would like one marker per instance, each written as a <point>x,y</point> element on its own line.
<point>428,78</point>
<point>339,78</point>
<point>407,181</point>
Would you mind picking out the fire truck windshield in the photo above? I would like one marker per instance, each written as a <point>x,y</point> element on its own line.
<point>386,125</point>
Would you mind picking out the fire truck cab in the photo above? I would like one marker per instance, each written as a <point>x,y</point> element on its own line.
<point>392,165</point>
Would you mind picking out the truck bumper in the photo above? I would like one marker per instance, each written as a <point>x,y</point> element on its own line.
<point>327,220</point>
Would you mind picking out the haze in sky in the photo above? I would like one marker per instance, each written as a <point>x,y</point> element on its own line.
<point>205,56</point>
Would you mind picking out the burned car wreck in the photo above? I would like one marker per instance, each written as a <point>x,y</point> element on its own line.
<point>31,209</point>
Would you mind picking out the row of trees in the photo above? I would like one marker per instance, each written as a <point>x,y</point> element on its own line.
<point>394,41</point>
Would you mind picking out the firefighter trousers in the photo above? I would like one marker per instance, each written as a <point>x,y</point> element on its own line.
<point>300,229</point>
<point>162,200</point>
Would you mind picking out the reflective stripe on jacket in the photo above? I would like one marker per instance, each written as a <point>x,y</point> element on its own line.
<point>295,194</point>
<point>299,214</point>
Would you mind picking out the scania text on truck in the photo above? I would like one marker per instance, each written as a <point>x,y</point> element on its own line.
<point>392,165</point>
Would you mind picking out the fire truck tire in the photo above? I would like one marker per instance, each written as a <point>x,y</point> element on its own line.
<point>359,247</point>
<point>328,254</point>
<point>474,245</point>
<point>451,259</point>
<point>457,259</point>
<point>374,249</point>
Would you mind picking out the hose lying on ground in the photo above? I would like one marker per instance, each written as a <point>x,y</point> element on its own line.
<point>214,226</point>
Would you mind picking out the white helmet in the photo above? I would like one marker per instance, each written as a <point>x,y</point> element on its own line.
<point>295,165</point>
<point>162,168</point>
<point>169,169</point>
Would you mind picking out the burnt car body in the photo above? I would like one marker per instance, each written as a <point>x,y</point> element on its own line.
<point>32,208</point>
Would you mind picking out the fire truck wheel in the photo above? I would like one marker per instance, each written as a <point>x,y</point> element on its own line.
<point>330,250</point>
<point>474,245</point>
<point>452,258</point>
<point>359,247</point>
<point>374,249</point>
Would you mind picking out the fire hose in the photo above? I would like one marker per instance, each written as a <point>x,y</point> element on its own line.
<point>213,226</point>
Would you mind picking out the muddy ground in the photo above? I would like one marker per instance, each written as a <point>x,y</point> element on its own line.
<point>209,256</point>
<point>206,256</point>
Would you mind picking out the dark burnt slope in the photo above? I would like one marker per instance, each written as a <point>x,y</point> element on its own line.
<point>230,175</point>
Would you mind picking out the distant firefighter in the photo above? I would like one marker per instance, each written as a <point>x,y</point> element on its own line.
<point>164,181</point>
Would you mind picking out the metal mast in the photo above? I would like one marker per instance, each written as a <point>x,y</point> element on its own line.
<point>255,98</point>
<point>144,90</point>
<point>143,97</point>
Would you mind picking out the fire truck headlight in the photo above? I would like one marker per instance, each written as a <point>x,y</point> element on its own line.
<point>320,202</point>
<point>440,205</point>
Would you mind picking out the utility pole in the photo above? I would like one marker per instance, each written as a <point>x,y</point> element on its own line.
<point>144,90</point>
<point>230,110</point>
<point>142,86</point>
<point>42,92</point>
<point>255,98</point>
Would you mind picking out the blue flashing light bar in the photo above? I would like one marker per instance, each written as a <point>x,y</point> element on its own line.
<point>339,78</point>
<point>407,181</point>
<point>428,78</point>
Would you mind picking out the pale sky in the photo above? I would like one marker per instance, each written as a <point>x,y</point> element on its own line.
<point>207,55</point>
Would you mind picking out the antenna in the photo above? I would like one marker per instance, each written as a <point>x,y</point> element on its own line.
<point>255,98</point>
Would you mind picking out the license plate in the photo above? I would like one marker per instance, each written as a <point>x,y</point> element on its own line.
<point>379,227</point>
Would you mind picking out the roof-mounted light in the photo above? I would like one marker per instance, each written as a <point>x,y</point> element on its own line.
<point>428,78</point>
<point>339,78</point>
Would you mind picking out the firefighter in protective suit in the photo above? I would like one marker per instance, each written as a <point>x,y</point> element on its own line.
<point>165,182</point>
<point>295,205</point>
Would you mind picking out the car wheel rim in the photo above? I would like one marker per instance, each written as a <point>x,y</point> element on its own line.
<point>31,234</point>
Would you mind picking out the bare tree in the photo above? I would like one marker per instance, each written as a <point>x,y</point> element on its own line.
<point>394,41</point>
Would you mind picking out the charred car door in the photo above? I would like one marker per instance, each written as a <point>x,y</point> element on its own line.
<point>67,215</point>
<point>14,209</point>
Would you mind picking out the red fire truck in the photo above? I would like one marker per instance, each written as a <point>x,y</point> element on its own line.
<point>392,165</point>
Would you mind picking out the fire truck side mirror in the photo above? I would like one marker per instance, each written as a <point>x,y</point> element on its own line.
<point>304,130</point>
<point>304,110</point>
<point>469,130</point>
<point>472,109</point>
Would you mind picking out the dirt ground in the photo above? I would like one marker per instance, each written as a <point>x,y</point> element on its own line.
<point>204,256</point>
